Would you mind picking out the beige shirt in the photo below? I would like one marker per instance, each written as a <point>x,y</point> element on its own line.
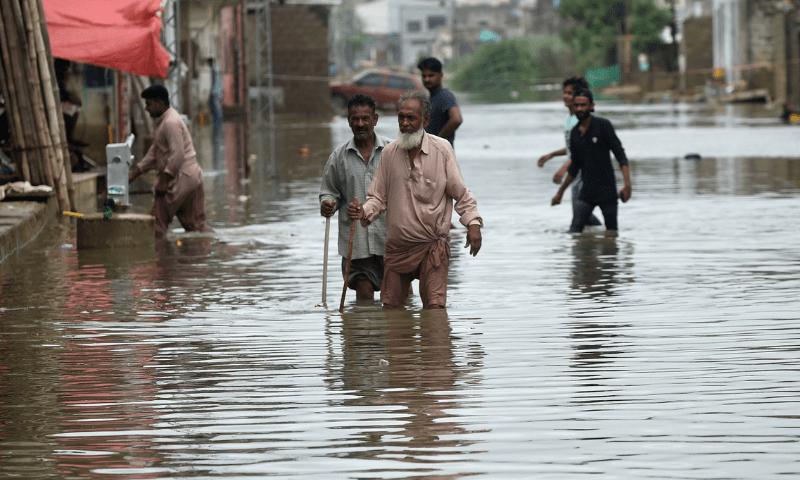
<point>172,146</point>
<point>418,197</point>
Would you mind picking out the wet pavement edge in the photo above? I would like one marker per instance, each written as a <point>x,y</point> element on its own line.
<point>21,220</point>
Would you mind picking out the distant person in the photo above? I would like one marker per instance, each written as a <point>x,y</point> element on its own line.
<point>215,95</point>
<point>215,108</point>
<point>788,114</point>
<point>568,89</point>
<point>416,184</point>
<point>445,115</point>
<point>70,103</point>
<point>347,175</point>
<point>179,188</point>
<point>591,142</point>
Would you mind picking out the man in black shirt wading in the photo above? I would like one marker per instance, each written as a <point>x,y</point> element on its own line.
<point>590,143</point>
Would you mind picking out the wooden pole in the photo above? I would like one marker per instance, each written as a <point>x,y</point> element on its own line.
<point>28,82</point>
<point>57,130</point>
<point>349,259</point>
<point>12,19</point>
<point>325,261</point>
<point>45,147</point>
<point>12,103</point>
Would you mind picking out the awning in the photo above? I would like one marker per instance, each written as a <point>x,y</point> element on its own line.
<point>116,34</point>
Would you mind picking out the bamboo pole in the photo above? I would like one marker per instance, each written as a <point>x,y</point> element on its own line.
<point>17,48</point>
<point>35,89</point>
<point>9,90</point>
<point>19,100</point>
<point>51,112</point>
<point>62,131</point>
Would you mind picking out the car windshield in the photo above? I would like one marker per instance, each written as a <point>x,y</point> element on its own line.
<point>371,80</point>
<point>400,83</point>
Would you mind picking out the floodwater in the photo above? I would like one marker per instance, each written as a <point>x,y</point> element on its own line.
<point>669,351</point>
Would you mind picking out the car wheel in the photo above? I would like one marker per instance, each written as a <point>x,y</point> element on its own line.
<point>339,103</point>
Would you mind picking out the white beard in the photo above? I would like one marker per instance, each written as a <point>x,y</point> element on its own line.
<point>410,141</point>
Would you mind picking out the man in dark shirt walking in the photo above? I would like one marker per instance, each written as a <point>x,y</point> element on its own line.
<point>591,142</point>
<point>445,115</point>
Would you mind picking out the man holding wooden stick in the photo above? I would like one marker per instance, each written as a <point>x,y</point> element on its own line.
<point>417,184</point>
<point>347,175</point>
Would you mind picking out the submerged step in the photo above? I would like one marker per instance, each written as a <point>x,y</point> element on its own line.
<point>121,230</point>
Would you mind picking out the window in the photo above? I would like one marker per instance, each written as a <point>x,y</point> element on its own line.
<point>436,21</point>
<point>414,26</point>
<point>399,83</point>
<point>371,80</point>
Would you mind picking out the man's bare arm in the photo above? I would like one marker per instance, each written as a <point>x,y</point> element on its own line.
<point>452,124</point>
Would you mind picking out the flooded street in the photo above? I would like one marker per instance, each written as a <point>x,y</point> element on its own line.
<point>669,351</point>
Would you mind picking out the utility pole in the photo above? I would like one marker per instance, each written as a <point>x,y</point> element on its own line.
<point>627,40</point>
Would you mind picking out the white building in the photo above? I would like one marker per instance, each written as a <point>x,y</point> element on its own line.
<point>404,30</point>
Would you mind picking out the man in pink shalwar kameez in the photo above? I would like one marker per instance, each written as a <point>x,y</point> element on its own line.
<point>417,184</point>
<point>179,189</point>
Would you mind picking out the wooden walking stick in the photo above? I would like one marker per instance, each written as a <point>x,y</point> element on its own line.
<point>325,261</point>
<point>347,269</point>
<point>349,258</point>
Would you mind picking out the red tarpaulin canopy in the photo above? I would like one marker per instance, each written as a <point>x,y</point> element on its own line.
<point>117,34</point>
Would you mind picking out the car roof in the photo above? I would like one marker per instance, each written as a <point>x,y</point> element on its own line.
<point>384,71</point>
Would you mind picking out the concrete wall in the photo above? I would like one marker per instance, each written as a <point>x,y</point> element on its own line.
<point>300,59</point>
<point>696,52</point>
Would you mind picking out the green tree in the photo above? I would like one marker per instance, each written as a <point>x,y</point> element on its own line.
<point>598,23</point>
<point>507,71</point>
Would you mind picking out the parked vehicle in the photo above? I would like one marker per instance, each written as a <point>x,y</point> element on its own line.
<point>385,86</point>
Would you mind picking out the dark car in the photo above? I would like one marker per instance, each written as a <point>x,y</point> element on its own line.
<point>385,86</point>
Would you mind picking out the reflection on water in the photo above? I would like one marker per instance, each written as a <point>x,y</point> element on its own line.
<point>405,371</point>
<point>598,264</point>
<point>666,351</point>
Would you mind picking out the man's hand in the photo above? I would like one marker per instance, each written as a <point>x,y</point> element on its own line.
<point>327,208</point>
<point>473,239</point>
<point>162,185</point>
<point>355,209</point>
<point>556,199</point>
<point>626,193</point>
<point>543,159</point>
<point>559,176</point>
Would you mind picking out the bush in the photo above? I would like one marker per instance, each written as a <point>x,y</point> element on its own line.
<point>508,70</point>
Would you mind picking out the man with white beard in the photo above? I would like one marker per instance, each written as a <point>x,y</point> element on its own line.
<point>417,184</point>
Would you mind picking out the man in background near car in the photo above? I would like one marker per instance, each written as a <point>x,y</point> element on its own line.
<point>445,114</point>
<point>570,86</point>
<point>346,176</point>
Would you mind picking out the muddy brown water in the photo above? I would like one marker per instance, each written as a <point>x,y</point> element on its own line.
<point>668,351</point>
